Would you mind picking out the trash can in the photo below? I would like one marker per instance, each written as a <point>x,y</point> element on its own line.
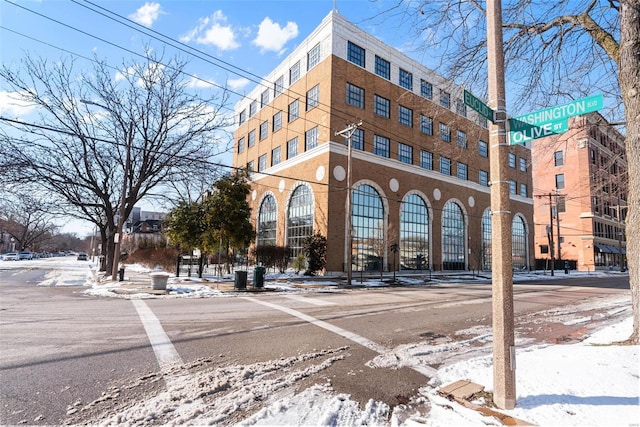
<point>159,281</point>
<point>258,277</point>
<point>120,274</point>
<point>240,281</point>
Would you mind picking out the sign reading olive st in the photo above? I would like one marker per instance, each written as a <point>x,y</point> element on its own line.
<point>550,121</point>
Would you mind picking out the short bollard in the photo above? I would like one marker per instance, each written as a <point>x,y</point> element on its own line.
<point>159,281</point>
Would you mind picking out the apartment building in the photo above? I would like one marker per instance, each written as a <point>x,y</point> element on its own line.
<point>581,195</point>
<point>419,174</point>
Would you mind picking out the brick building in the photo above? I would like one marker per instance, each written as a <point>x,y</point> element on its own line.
<point>420,165</point>
<point>581,175</point>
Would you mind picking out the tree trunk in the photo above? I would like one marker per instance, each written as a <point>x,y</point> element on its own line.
<point>629,77</point>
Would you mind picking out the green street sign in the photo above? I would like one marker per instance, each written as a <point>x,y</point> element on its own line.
<point>550,121</point>
<point>479,106</point>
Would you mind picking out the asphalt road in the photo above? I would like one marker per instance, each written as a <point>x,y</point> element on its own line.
<point>63,351</point>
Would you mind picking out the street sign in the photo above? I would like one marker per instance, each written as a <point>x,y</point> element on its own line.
<point>479,106</point>
<point>550,121</point>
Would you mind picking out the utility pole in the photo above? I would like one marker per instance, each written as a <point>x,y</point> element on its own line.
<point>552,247</point>
<point>348,133</point>
<point>558,226</point>
<point>504,355</point>
<point>123,200</point>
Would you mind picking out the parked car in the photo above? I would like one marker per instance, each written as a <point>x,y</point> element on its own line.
<point>82,256</point>
<point>26,255</point>
<point>11,256</point>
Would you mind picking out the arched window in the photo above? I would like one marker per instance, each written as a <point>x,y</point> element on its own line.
<point>367,219</point>
<point>453,237</point>
<point>299,219</point>
<point>486,240</point>
<point>267,222</point>
<point>414,234</point>
<point>519,243</point>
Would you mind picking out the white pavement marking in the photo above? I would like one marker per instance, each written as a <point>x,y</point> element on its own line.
<point>166,353</point>
<point>365,342</point>
<point>313,301</point>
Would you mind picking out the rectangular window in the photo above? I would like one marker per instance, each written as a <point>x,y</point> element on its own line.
<point>560,181</point>
<point>483,178</point>
<point>426,125</point>
<point>381,106</point>
<point>482,121</point>
<point>253,108</point>
<point>445,165</point>
<point>445,99</point>
<point>381,146</point>
<point>405,153</point>
<point>523,164</point>
<point>278,86</point>
<point>561,203</point>
<point>264,98</point>
<point>426,89</point>
<point>558,158</point>
<point>251,166</point>
<point>512,187</point>
<point>355,54</point>
<point>311,139</point>
<point>383,68</point>
<point>294,73</point>
<point>313,97</point>
<point>275,156</point>
<point>313,57</point>
<point>445,133</point>
<point>264,130</point>
<point>405,79</point>
<point>405,116</point>
<point>277,121</point>
<point>426,159</point>
<point>461,108</point>
<point>462,139</point>
<point>243,117</point>
<point>294,110</point>
<point>512,160</point>
<point>462,171</point>
<point>355,95</point>
<point>252,138</point>
<point>483,148</point>
<point>262,163</point>
<point>357,140</point>
<point>523,190</point>
<point>241,144</point>
<point>292,147</point>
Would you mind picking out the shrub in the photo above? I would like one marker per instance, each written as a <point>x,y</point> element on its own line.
<point>315,248</point>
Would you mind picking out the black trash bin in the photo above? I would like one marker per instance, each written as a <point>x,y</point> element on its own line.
<point>258,277</point>
<point>240,281</point>
<point>121,274</point>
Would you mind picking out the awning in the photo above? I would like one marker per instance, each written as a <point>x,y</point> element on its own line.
<point>608,249</point>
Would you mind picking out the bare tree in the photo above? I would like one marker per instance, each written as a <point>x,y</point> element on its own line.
<point>554,52</point>
<point>27,219</point>
<point>105,131</point>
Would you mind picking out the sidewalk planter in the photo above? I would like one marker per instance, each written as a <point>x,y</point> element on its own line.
<point>258,277</point>
<point>159,281</point>
<point>240,281</point>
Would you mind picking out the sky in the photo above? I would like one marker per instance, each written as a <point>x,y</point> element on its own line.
<point>592,382</point>
<point>227,42</point>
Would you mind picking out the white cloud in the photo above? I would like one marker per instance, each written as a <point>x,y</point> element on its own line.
<point>271,36</point>
<point>200,82</point>
<point>236,84</point>
<point>147,14</point>
<point>12,104</point>
<point>213,30</point>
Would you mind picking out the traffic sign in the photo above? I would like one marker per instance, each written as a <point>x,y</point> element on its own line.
<point>550,121</point>
<point>479,106</point>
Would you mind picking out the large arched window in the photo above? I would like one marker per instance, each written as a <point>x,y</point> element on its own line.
<point>519,243</point>
<point>299,219</point>
<point>453,237</point>
<point>267,222</point>
<point>414,234</point>
<point>367,219</point>
<point>486,240</point>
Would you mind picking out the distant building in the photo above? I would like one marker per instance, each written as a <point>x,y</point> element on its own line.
<point>144,225</point>
<point>580,182</point>
<point>420,161</point>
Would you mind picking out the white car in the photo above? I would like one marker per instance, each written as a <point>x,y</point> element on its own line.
<point>11,256</point>
<point>25,255</point>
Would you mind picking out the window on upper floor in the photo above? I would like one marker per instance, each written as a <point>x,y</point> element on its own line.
<point>512,160</point>
<point>426,89</point>
<point>405,116</point>
<point>445,165</point>
<point>277,121</point>
<point>426,125</point>
<point>523,164</point>
<point>294,110</point>
<point>278,86</point>
<point>262,162</point>
<point>462,171</point>
<point>383,68</point>
<point>461,107</point>
<point>483,148</point>
<point>292,147</point>
<point>252,138</point>
<point>445,99</point>
<point>558,158</point>
<point>313,57</point>
<point>355,54</point>
<point>294,73</point>
<point>264,98</point>
<point>241,144</point>
<point>311,138</point>
<point>242,117</point>
<point>253,108</point>
<point>483,178</point>
<point>405,153</point>
<point>275,156</point>
<point>355,95</point>
<point>513,189</point>
<point>381,106</point>
<point>313,97</point>
<point>560,181</point>
<point>461,138</point>
<point>381,146</point>
<point>426,159</point>
<point>405,79</point>
<point>445,132</point>
<point>264,130</point>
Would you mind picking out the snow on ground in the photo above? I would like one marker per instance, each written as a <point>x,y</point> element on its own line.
<point>595,382</point>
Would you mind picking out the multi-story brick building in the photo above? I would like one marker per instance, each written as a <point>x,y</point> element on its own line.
<point>581,180</point>
<point>420,165</point>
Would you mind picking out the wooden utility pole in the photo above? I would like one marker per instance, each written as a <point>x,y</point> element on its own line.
<point>504,357</point>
